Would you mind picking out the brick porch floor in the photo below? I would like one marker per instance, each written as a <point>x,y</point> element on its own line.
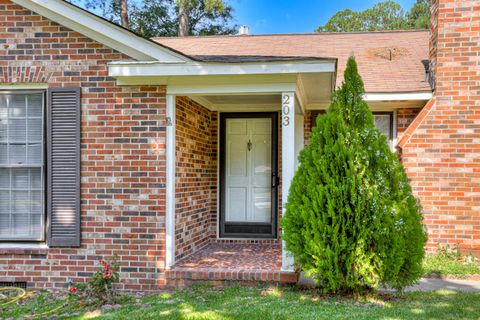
<point>220,263</point>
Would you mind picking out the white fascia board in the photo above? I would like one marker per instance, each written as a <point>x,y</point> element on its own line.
<point>228,89</point>
<point>397,96</point>
<point>102,31</point>
<point>142,69</point>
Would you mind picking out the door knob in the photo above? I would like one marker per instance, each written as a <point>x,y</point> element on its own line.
<point>249,145</point>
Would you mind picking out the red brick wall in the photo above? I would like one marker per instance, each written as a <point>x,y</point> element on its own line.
<point>442,156</point>
<point>196,176</point>
<point>122,151</point>
<point>404,118</point>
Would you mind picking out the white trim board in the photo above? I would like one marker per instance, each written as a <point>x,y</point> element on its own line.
<point>100,30</point>
<point>397,96</point>
<point>229,89</point>
<point>146,69</point>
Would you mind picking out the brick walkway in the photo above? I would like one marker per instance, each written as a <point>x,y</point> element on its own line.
<point>218,263</point>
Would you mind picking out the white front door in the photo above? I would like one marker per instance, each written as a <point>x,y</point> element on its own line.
<point>248,172</point>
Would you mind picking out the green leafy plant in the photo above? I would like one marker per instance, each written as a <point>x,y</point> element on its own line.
<point>449,252</point>
<point>101,285</point>
<point>450,261</point>
<point>351,220</point>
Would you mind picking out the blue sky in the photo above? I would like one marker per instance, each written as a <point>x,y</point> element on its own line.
<point>292,16</point>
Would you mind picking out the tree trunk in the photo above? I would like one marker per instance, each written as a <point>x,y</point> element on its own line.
<point>124,13</point>
<point>184,25</point>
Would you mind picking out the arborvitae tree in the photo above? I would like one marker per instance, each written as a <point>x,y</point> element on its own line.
<point>351,220</point>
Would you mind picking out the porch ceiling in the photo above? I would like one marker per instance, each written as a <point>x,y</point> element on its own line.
<point>235,94</point>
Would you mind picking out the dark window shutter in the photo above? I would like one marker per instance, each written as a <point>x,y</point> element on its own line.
<point>63,167</point>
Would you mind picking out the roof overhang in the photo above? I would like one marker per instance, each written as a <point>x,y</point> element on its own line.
<point>101,30</point>
<point>233,78</point>
<point>128,69</point>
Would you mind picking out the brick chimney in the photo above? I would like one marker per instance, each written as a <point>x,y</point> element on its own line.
<point>433,41</point>
<point>454,47</point>
<point>442,155</point>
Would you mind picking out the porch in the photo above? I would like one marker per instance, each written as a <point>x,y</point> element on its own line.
<point>223,263</point>
<point>222,224</point>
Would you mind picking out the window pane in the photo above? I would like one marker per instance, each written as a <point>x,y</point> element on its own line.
<point>34,103</point>
<point>36,202</point>
<point>3,154</point>
<point>36,225</point>
<point>4,224</point>
<point>17,153</point>
<point>20,178</point>
<point>36,178</point>
<point>34,130</point>
<point>21,188</point>
<point>3,107</point>
<point>383,123</point>
<point>4,178</point>
<point>17,130</point>
<point>16,105</point>
<point>3,129</point>
<point>4,213</point>
<point>34,152</point>
<point>4,202</point>
<point>21,225</point>
<point>20,202</point>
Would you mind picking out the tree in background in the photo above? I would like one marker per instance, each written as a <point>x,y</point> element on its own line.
<point>124,13</point>
<point>116,11</point>
<point>186,6</point>
<point>419,15</point>
<point>387,15</point>
<point>351,220</point>
<point>161,18</point>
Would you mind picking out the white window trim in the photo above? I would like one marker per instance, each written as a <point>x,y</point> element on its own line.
<point>25,243</point>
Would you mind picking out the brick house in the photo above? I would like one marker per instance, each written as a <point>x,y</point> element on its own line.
<point>174,154</point>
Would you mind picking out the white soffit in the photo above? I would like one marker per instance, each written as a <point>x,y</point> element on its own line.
<point>401,96</point>
<point>101,30</point>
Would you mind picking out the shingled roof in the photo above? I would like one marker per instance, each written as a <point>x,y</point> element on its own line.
<point>389,61</point>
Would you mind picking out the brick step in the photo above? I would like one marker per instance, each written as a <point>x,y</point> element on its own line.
<point>183,277</point>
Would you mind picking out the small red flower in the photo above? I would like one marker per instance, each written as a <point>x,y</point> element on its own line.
<point>73,290</point>
<point>106,275</point>
<point>106,267</point>
<point>103,262</point>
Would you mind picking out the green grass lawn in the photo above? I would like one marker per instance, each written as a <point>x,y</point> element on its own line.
<point>262,303</point>
<point>442,265</point>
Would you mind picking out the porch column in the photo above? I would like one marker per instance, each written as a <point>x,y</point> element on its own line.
<point>288,161</point>
<point>170,185</point>
<point>299,136</point>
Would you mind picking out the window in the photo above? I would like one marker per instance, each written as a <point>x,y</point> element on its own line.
<point>22,166</point>
<point>383,122</point>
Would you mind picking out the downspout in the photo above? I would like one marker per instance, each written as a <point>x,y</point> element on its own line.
<point>170,185</point>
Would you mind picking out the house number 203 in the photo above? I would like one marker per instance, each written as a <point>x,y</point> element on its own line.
<point>286,110</point>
